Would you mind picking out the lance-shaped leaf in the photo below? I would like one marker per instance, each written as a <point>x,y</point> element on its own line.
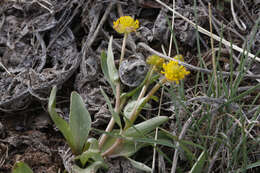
<point>112,71</point>
<point>80,122</point>
<point>130,145</point>
<point>104,68</point>
<point>145,127</point>
<point>129,108</point>
<point>62,125</point>
<point>127,148</point>
<point>140,166</point>
<point>21,167</point>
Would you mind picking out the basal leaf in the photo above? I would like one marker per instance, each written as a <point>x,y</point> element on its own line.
<point>21,167</point>
<point>140,166</point>
<point>80,122</point>
<point>92,168</point>
<point>62,125</point>
<point>92,153</point>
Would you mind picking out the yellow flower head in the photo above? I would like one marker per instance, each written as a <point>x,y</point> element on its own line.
<point>174,72</point>
<point>156,61</point>
<point>126,24</point>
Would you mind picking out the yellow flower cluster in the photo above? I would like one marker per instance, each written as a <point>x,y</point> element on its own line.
<point>126,24</point>
<point>174,72</point>
<point>156,61</point>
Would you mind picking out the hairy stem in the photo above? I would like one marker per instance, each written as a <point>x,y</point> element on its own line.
<point>111,123</point>
<point>123,48</point>
<point>133,117</point>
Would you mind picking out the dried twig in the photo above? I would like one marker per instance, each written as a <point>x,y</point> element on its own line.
<point>191,67</point>
<point>2,65</point>
<point>101,23</point>
<point>212,51</point>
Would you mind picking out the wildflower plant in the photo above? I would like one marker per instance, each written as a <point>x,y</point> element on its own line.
<point>130,137</point>
<point>207,142</point>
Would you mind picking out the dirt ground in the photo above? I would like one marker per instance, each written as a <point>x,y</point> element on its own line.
<point>48,42</point>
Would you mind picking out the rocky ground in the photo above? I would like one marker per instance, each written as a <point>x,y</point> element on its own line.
<point>48,42</point>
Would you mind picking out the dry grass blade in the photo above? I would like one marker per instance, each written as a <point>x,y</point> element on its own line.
<point>2,65</point>
<point>242,28</point>
<point>206,32</point>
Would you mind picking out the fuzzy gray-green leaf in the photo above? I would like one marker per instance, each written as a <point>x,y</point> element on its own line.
<point>104,67</point>
<point>92,168</point>
<point>112,71</point>
<point>62,125</point>
<point>80,122</point>
<point>145,127</point>
<point>21,167</point>
<point>93,152</point>
<point>140,166</point>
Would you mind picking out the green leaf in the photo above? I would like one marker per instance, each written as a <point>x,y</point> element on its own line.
<point>126,149</point>
<point>91,168</point>
<point>112,71</point>
<point>80,122</point>
<point>62,125</point>
<point>129,108</point>
<point>198,166</point>
<point>249,166</point>
<point>164,141</point>
<point>145,127</point>
<point>138,89</point>
<point>92,153</point>
<point>21,167</point>
<point>114,114</point>
<point>131,145</point>
<point>139,165</point>
<point>105,71</point>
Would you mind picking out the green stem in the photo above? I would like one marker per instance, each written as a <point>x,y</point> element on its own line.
<point>134,116</point>
<point>111,123</point>
<point>147,98</point>
<point>141,95</point>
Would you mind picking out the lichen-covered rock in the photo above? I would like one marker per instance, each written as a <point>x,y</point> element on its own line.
<point>132,71</point>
